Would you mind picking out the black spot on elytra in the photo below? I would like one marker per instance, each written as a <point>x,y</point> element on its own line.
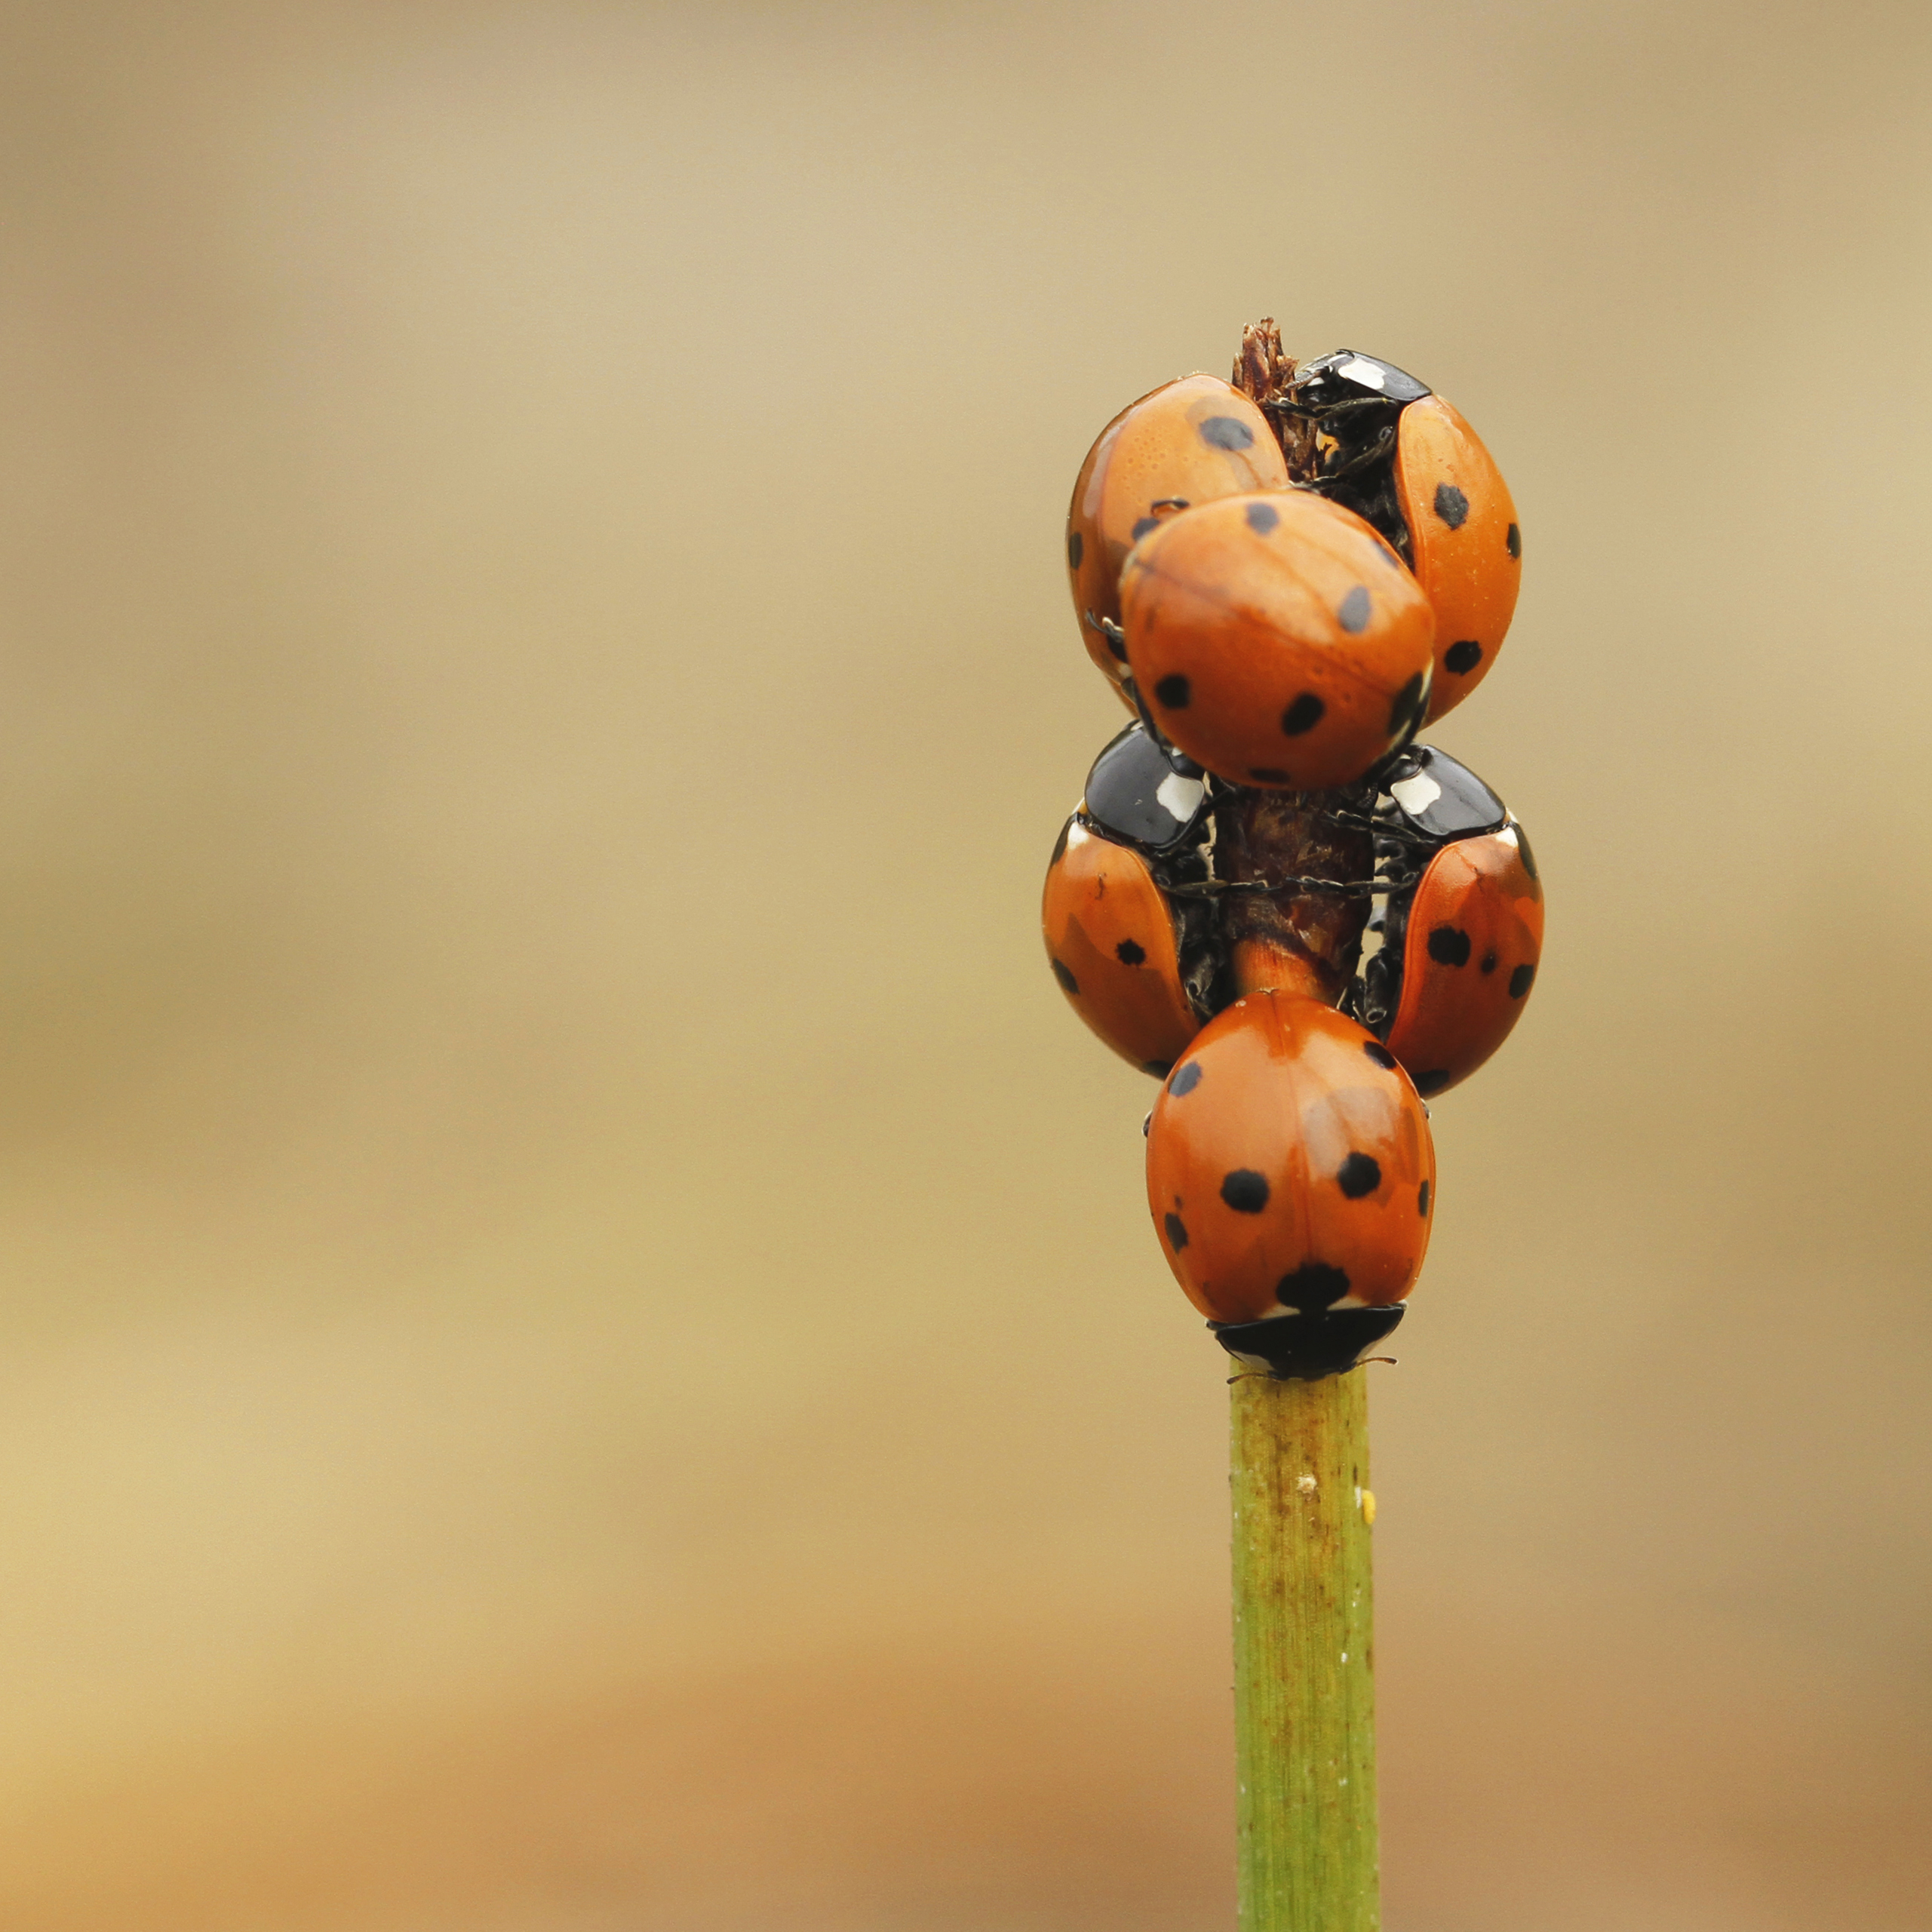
<point>1352,615</point>
<point>1311,1288</point>
<point>1449,945</point>
<point>1268,774</point>
<point>1360,1174</point>
<point>1451,505</point>
<point>1060,845</point>
<point>1227,432</point>
<point>1528,857</point>
<point>1489,962</point>
<point>1462,658</point>
<point>1174,691</point>
<point>1076,549</point>
<point>1160,1069</point>
<point>1434,1081</point>
<point>1422,1199</point>
<point>1145,524</point>
<point>1262,518</point>
<point>1303,715</point>
<point>1128,954</point>
<point>1185,1080</point>
<point>1520,980</point>
<point>1245,1191</point>
<point>1380,1054</point>
<point>1069,984</point>
<point>1409,703</point>
<point>1515,540</point>
<point>1177,1233</point>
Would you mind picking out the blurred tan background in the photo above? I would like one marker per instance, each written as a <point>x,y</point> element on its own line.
<point>579,1348</point>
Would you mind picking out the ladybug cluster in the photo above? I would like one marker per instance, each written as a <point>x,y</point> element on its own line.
<point>1270,897</point>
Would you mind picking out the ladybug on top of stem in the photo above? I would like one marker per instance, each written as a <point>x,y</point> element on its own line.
<point>1187,442</point>
<point>1389,448</point>
<point>1462,938</point>
<point>1289,1172</point>
<point>1276,639</point>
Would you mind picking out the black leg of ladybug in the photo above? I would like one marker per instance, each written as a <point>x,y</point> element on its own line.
<point>1367,457</point>
<point>1319,413</point>
<point>1116,638</point>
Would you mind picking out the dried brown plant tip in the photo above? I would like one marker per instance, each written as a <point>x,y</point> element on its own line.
<point>1262,372</point>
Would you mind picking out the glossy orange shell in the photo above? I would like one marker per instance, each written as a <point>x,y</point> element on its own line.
<point>1289,1163</point>
<point>1184,440</point>
<point>1470,954</point>
<point>1110,940</point>
<point>1277,639</point>
<point>1464,537</point>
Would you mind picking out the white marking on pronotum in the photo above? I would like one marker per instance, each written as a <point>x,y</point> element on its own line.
<point>1366,374</point>
<point>1180,796</point>
<point>1415,795</point>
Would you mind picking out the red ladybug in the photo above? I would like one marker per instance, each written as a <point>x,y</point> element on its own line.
<point>1115,942</point>
<point>1277,640</point>
<point>1400,456</point>
<point>1187,442</point>
<point>1289,1173</point>
<point>1461,942</point>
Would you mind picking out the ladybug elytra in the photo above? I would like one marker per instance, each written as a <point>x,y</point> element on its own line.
<point>1114,941</point>
<point>1277,640</point>
<point>1289,1165</point>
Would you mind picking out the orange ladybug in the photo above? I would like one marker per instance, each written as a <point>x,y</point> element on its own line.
<point>1289,1173</point>
<point>1391,450</point>
<point>1277,640</point>
<point>1115,943</point>
<point>1187,442</point>
<point>1461,943</point>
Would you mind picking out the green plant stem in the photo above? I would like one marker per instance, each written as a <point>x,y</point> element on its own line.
<point>1304,1686</point>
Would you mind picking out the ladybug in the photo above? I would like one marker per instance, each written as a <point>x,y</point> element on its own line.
<point>1392,450</point>
<point>1277,640</point>
<point>1461,938</point>
<point>1289,1173</point>
<point>1116,944</point>
<point>1187,442</point>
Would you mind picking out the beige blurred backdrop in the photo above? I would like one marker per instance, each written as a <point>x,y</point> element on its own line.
<point>580,1348</point>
